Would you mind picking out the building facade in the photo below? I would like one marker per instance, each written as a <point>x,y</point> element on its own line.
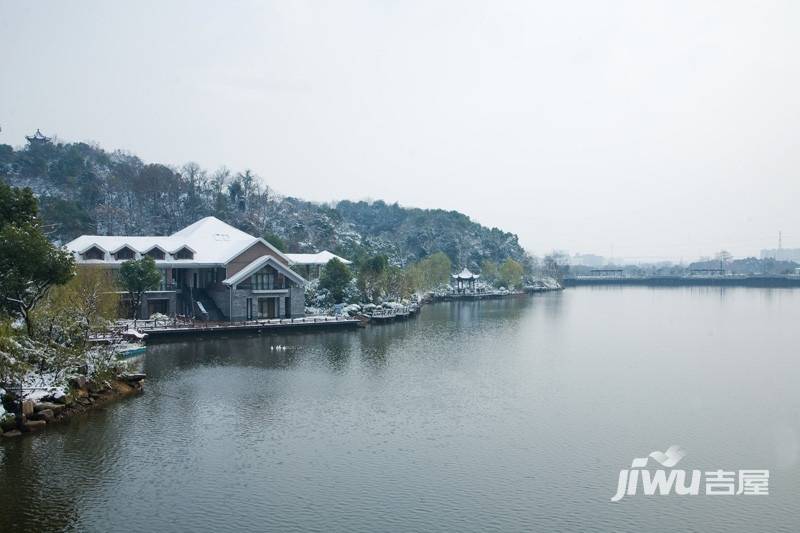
<point>208,270</point>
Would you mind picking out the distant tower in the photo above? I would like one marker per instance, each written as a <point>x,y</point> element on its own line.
<point>780,240</point>
<point>37,138</point>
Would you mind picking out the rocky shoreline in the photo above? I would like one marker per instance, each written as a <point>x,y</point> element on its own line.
<point>82,396</point>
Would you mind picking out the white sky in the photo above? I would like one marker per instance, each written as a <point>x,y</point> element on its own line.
<point>661,129</point>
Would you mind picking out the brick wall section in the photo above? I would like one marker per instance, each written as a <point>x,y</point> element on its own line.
<point>251,254</point>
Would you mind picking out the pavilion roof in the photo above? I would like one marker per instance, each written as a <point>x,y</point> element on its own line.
<point>466,274</point>
<point>38,136</point>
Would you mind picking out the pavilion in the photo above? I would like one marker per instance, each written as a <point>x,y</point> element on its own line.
<point>465,281</point>
<point>37,138</point>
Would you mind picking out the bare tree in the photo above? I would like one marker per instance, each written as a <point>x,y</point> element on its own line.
<point>724,257</point>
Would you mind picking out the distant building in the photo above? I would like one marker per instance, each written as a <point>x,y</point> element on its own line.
<point>607,272</point>
<point>589,260</point>
<point>208,269</point>
<point>782,254</point>
<point>310,265</point>
<point>707,272</point>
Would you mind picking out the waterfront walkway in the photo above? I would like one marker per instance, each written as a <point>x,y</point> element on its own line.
<point>177,326</point>
<point>180,326</point>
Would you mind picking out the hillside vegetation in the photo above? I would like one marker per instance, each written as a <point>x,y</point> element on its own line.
<point>85,189</point>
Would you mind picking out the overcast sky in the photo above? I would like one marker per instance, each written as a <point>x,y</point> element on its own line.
<point>653,129</point>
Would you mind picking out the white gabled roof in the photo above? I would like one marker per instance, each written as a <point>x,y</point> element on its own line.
<point>319,258</point>
<point>184,247</point>
<point>260,263</point>
<point>89,247</point>
<point>212,241</point>
<point>121,246</point>
<point>153,247</point>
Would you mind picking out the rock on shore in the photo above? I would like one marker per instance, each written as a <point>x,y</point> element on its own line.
<point>82,396</point>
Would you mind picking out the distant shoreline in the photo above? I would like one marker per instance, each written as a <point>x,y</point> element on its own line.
<point>763,282</point>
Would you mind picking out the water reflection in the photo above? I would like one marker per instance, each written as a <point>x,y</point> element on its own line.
<point>511,414</point>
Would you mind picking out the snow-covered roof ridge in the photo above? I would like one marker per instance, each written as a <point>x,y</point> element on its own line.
<point>210,239</point>
<point>211,226</point>
<point>319,258</point>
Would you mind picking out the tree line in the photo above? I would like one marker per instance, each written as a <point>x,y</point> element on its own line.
<point>374,279</point>
<point>84,189</point>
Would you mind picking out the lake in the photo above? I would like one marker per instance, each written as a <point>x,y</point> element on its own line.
<point>501,415</point>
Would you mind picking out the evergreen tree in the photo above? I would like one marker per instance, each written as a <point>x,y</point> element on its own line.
<point>29,263</point>
<point>335,277</point>
<point>138,277</point>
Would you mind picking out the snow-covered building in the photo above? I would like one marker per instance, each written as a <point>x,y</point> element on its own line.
<point>310,265</point>
<point>207,269</point>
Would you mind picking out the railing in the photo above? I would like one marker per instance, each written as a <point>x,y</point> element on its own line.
<point>190,323</point>
<point>166,287</point>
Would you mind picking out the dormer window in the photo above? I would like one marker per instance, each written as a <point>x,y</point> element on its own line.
<point>93,254</point>
<point>184,253</point>
<point>125,253</point>
<point>156,253</point>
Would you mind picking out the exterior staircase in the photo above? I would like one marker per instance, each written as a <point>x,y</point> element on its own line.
<point>205,308</point>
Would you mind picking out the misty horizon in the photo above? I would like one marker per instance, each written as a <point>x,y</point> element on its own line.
<point>634,132</point>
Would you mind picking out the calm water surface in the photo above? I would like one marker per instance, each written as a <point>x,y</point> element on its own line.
<point>504,415</point>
